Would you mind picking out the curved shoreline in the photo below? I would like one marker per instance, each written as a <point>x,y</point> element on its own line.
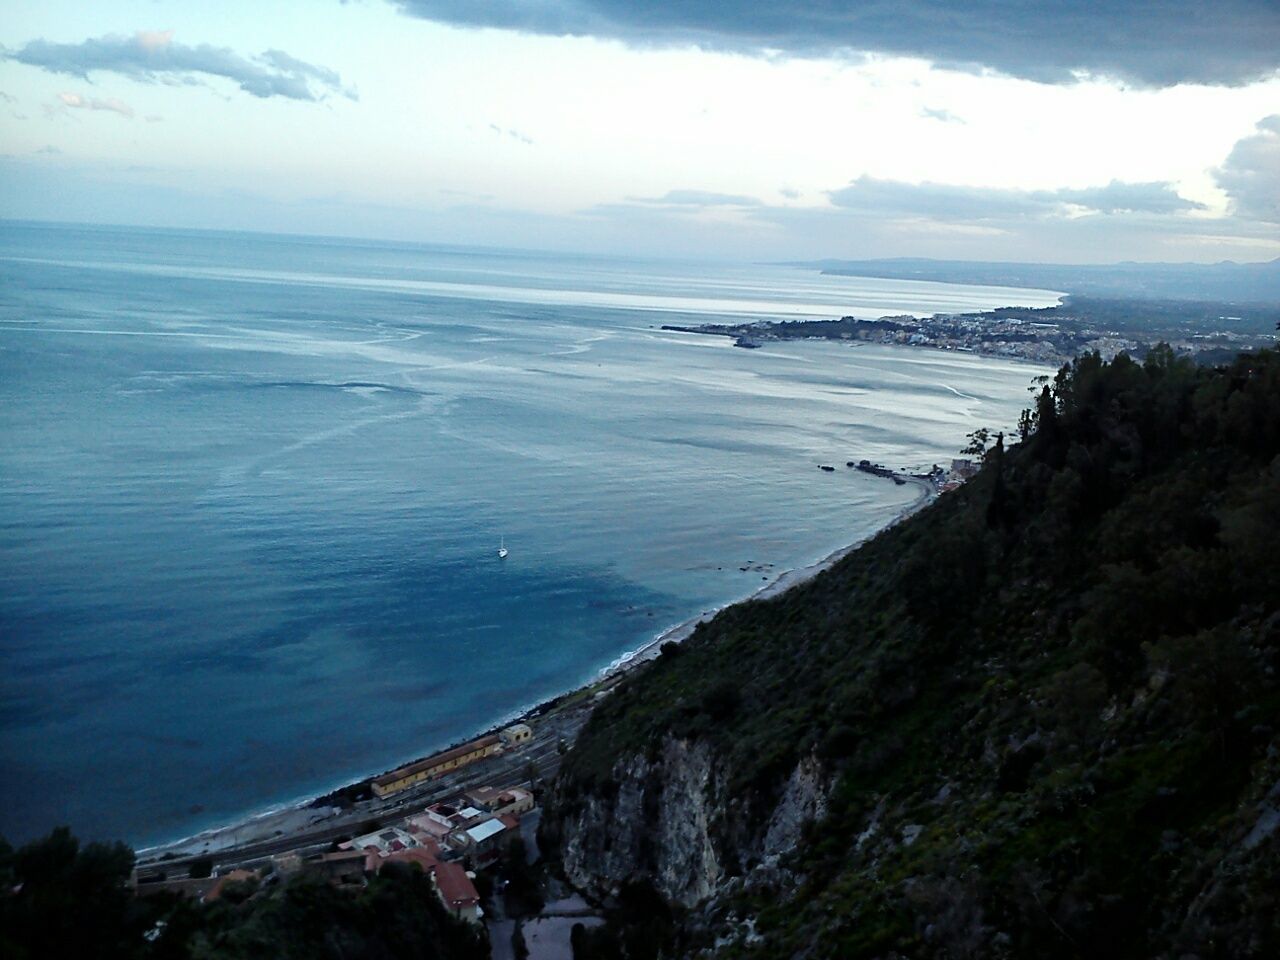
<point>296,816</point>
<point>779,585</point>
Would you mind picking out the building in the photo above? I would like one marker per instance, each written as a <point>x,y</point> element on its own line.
<point>342,866</point>
<point>441,819</point>
<point>382,842</point>
<point>499,801</point>
<point>405,777</point>
<point>427,857</point>
<point>456,891</point>
<point>481,844</point>
<point>516,734</point>
<point>286,864</point>
<point>235,876</point>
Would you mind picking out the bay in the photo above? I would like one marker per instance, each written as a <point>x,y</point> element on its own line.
<point>252,489</point>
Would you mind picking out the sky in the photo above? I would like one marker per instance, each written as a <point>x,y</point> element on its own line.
<point>1068,131</point>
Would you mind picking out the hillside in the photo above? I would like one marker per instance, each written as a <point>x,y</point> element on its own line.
<point>1226,281</point>
<point>1040,718</point>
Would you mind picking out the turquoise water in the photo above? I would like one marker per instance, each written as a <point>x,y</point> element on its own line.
<point>252,489</point>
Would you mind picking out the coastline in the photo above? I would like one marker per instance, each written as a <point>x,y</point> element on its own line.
<point>295,817</point>
<point>776,587</point>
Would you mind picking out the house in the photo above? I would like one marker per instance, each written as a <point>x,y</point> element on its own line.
<point>286,864</point>
<point>382,842</point>
<point>440,819</point>
<point>480,844</point>
<point>342,866</point>
<point>426,826</point>
<point>427,857</point>
<point>499,801</point>
<point>456,891</point>
<point>235,876</point>
<point>516,734</point>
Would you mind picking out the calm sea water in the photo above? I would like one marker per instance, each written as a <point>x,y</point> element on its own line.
<point>252,489</point>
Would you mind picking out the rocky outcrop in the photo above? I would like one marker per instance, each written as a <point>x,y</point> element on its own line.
<point>804,799</point>
<point>661,820</point>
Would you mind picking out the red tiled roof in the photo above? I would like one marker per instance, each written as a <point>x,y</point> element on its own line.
<point>423,856</point>
<point>455,886</point>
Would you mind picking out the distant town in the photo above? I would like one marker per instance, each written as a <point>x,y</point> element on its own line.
<point>1209,332</point>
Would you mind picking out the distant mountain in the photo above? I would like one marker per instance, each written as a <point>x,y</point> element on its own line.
<point>1226,281</point>
<point>1041,718</point>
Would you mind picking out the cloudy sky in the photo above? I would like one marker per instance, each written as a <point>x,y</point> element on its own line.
<point>1059,130</point>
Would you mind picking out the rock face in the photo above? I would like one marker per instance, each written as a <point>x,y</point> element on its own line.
<point>804,799</point>
<point>662,821</point>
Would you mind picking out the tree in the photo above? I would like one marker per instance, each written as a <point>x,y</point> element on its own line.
<point>997,509</point>
<point>70,901</point>
<point>978,440</point>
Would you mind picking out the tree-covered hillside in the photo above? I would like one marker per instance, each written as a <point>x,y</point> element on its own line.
<point>1047,706</point>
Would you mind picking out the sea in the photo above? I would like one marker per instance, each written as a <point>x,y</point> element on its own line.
<point>252,491</point>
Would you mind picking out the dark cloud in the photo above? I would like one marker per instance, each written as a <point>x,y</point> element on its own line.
<point>950,203</point>
<point>153,56</point>
<point>1147,42</point>
<point>700,198</point>
<point>1251,173</point>
<point>1117,197</point>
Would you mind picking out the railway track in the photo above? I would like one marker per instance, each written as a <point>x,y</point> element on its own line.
<point>553,734</point>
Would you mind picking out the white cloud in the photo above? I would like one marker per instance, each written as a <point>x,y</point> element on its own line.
<point>1251,174</point>
<point>152,40</point>
<point>74,101</point>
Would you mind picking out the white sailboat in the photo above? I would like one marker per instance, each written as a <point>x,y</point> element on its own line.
<point>502,549</point>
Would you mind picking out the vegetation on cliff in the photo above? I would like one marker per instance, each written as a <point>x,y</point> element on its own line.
<point>1048,703</point>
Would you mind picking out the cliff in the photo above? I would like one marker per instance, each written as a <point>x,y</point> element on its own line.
<point>1039,718</point>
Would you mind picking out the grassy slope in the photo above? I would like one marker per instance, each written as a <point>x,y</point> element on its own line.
<point>1064,673</point>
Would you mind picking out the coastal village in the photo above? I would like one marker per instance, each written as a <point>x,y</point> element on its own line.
<point>450,840</point>
<point>1052,335</point>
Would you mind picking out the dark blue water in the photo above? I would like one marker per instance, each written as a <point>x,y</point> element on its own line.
<point>251,491</point>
